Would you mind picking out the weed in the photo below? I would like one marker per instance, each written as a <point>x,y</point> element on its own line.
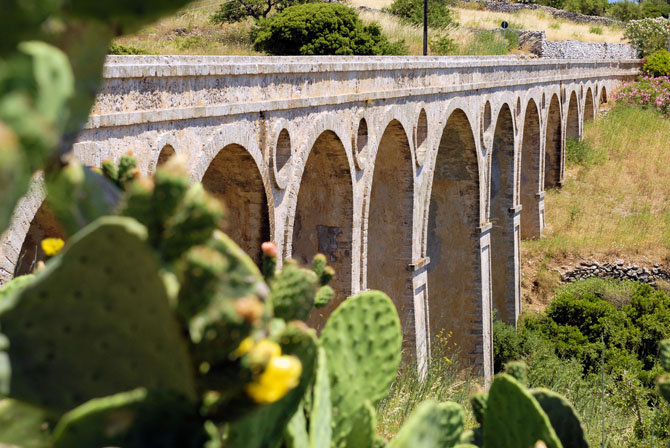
<point>596,30</point>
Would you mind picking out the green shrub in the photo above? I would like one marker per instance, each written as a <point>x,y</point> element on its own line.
<point>596,30</point>
<point>648,35</point>
<point>119,49</point>
<point>507,345</point>
<point>321,29</point>
<point>625,11</point>
<point>588,7</point>
<point>658,63</point>
<point>231,11</point>
<point>654,8</point>
<point>491,43</point>
<point>443,45</point>
<point>579,152</point>
<point>411,11</point>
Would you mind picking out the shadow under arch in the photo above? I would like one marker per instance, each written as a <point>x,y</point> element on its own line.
<point>552,145</point>
<point>43,225</point>
<point>233,177</point>
<point>531,156</point>
<point>572,120</point>
<point>588,106</point>
<point>390,224</point>
<point>455,270</point>
<point>505,274</point>
<point>166,153</point>
<point>323,220</point>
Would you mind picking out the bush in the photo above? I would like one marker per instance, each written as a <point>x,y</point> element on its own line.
<point>118,49</point>
<point>658,63</point>
<point>654,8</point>
<point>647,93</point>
<point>321,29</point>
<point>588,7</point>
<point>648,35</point>
<point>595,30</point>
<point>443,45</point>
<point>579,152</point>
<point>411,11</point>
<point>625,11</point>
<point>232,11</point>
<point>491,43</point>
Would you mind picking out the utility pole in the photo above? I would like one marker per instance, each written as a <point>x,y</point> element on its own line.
<point>425,27</point>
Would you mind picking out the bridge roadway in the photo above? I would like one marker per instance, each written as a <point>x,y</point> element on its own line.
<point>418,176</point>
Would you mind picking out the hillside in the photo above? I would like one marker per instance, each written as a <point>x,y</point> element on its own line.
<point>615,204</point>
<point>190,31</point>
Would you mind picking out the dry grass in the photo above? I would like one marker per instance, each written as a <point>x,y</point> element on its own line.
<point>196,34</point>
<point>537,20</point>
<point>618,207</point>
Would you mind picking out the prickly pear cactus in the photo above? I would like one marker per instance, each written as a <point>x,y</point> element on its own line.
<point>73,331</point>
<point>25,425</point>
<point>665,354</point>
<point>431,425</point>
<point>364,423</point>
<point>134,419</point>
<point>265,427</point>
<point>478,403</point>
<point>514,419</point>
<point>563,418</point>
<point>517,370</point>
<point>292,292</point>
<point>362,340</point>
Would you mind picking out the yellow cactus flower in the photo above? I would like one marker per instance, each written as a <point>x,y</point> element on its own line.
<point>281,374</point>
<point>266,349</point>
<point>51,246</point>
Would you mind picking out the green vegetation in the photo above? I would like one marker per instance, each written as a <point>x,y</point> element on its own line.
<point>411,11</point>
<point>119,49</point>
<point>321,29</point>
<point>594,328</point>
<point>658,63</point>
<point>231,11</point>
<point>648,35</point>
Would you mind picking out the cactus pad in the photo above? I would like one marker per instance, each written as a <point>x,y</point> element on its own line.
<point>363,427</point>
<point>292,292</point>
<point>362,340</point>
<point>517,370</point>
<point>431,425</point>
<point>320,431</point>
<point>663,383</point>
<point>134,419</point>
<point>478,403</point>
<point>514,419</point>
<point>91,325</point>
<point>563,418</point>
<point>16,284</point>
<point>24,425</point>
<point>665,354</point>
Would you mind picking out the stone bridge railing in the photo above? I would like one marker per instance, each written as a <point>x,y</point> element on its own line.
<point>416,176</point>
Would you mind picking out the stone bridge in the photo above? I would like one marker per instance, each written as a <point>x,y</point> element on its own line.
<point>417,176</point>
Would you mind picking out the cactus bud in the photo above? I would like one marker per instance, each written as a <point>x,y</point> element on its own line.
<point>250,309</point>
<point>269,268</point>
<point>269,249</point>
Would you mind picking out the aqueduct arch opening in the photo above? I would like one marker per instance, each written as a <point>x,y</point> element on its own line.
<point>454,272</point>
<point>43,225</point>
<point>390,225</point>
<point>166,153</point>
<point>531,156</point>
<point>552,145</point>
<point>504,232</point>
<point>233,177</point>
<point>324,217</point>
<point>588,106</point>
<point>572,120</point>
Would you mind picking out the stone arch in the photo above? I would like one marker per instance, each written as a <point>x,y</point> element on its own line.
<point>552,145</point>
<point>166,153</point>
<point>390,224</point>
<point>43,225</point>
<point>572,119</point>
<point>234,178</point>
<point>531,156</point>
<point>603,95</point>
<point>323,221</point>
<point>588,106</point>
<point>504,232</point>
<point>454,271</point>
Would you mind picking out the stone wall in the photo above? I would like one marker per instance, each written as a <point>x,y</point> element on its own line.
<point>536,42</point>
<point>557,13</point>
<point>617,270</point>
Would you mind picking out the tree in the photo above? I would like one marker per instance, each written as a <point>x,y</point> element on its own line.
<point>232,11</point>
<point>321,29</point>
